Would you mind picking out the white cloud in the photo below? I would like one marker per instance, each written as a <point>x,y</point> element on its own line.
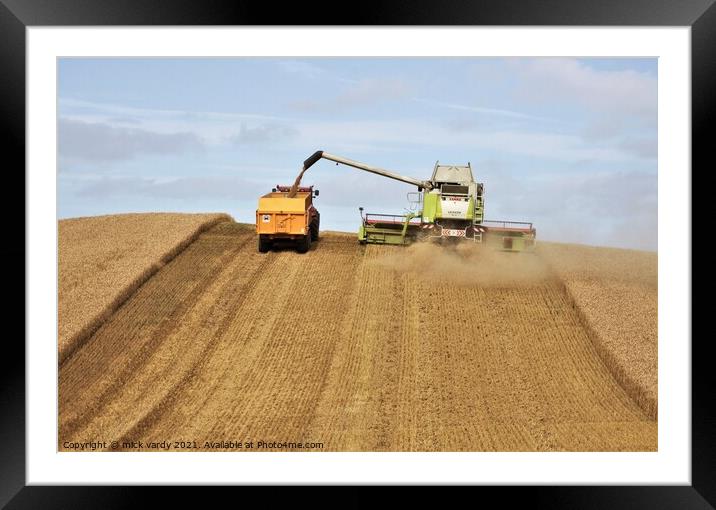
<point>367,136</point>
<point>483,110</point>
<point>361,93</point>
<point>641,147</point>
<point>79,140</point>
<point>563,80</point>
<point>310,71</point>
<point>610,207</point>
<point>183,188</point>
<point>263,133</point>
<point>208,128</point>
<point>104,110</point>
<point>214,128</point>
<point>372,135</point>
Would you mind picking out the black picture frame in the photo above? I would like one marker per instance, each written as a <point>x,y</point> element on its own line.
<point>17,15</point>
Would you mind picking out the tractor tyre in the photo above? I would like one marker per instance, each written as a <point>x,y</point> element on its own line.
<point>264,244</point>
<point>304,244</point>
<point>314,231</point>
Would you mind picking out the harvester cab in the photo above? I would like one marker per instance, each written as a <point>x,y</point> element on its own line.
<point>454,206</point>
<point>449,207</point>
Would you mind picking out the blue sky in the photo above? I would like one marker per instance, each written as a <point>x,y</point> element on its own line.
<point>569,144</point>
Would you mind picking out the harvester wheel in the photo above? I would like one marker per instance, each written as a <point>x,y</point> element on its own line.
<point>304,244</point>
<point>264,244</point>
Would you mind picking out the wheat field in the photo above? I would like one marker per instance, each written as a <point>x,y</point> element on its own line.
<point>615,292</point>
<point>103,259</point>
<point>363,348</point>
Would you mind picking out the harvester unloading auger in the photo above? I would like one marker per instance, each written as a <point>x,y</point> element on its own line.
<point>449,206</point>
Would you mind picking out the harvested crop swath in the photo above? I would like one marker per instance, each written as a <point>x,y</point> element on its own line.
<point>104,259</point>
<point>615,294</point>
<point>351,347</point>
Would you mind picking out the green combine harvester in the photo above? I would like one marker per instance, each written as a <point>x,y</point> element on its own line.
<point>449,207</point>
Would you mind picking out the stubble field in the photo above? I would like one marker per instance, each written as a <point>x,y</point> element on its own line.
<point>359,348</point>
<point>103,259</point>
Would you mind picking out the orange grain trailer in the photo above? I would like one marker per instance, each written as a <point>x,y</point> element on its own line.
<point>282,217</point>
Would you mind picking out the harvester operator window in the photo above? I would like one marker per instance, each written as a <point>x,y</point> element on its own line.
<point>454,189</point>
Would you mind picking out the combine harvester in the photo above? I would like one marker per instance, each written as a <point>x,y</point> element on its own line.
<point>448,207</point>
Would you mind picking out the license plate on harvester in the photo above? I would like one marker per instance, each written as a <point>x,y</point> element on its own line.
<point>453,232</point>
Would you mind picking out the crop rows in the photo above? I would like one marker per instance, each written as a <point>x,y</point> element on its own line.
<point>369,348</point>
<point>615,294</point>
<point>104,259</point>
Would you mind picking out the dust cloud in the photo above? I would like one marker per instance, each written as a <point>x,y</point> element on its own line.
<point>467,264</point>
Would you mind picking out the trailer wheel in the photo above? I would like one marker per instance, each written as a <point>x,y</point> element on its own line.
<point>304,244</point>
<point>264,244</point>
